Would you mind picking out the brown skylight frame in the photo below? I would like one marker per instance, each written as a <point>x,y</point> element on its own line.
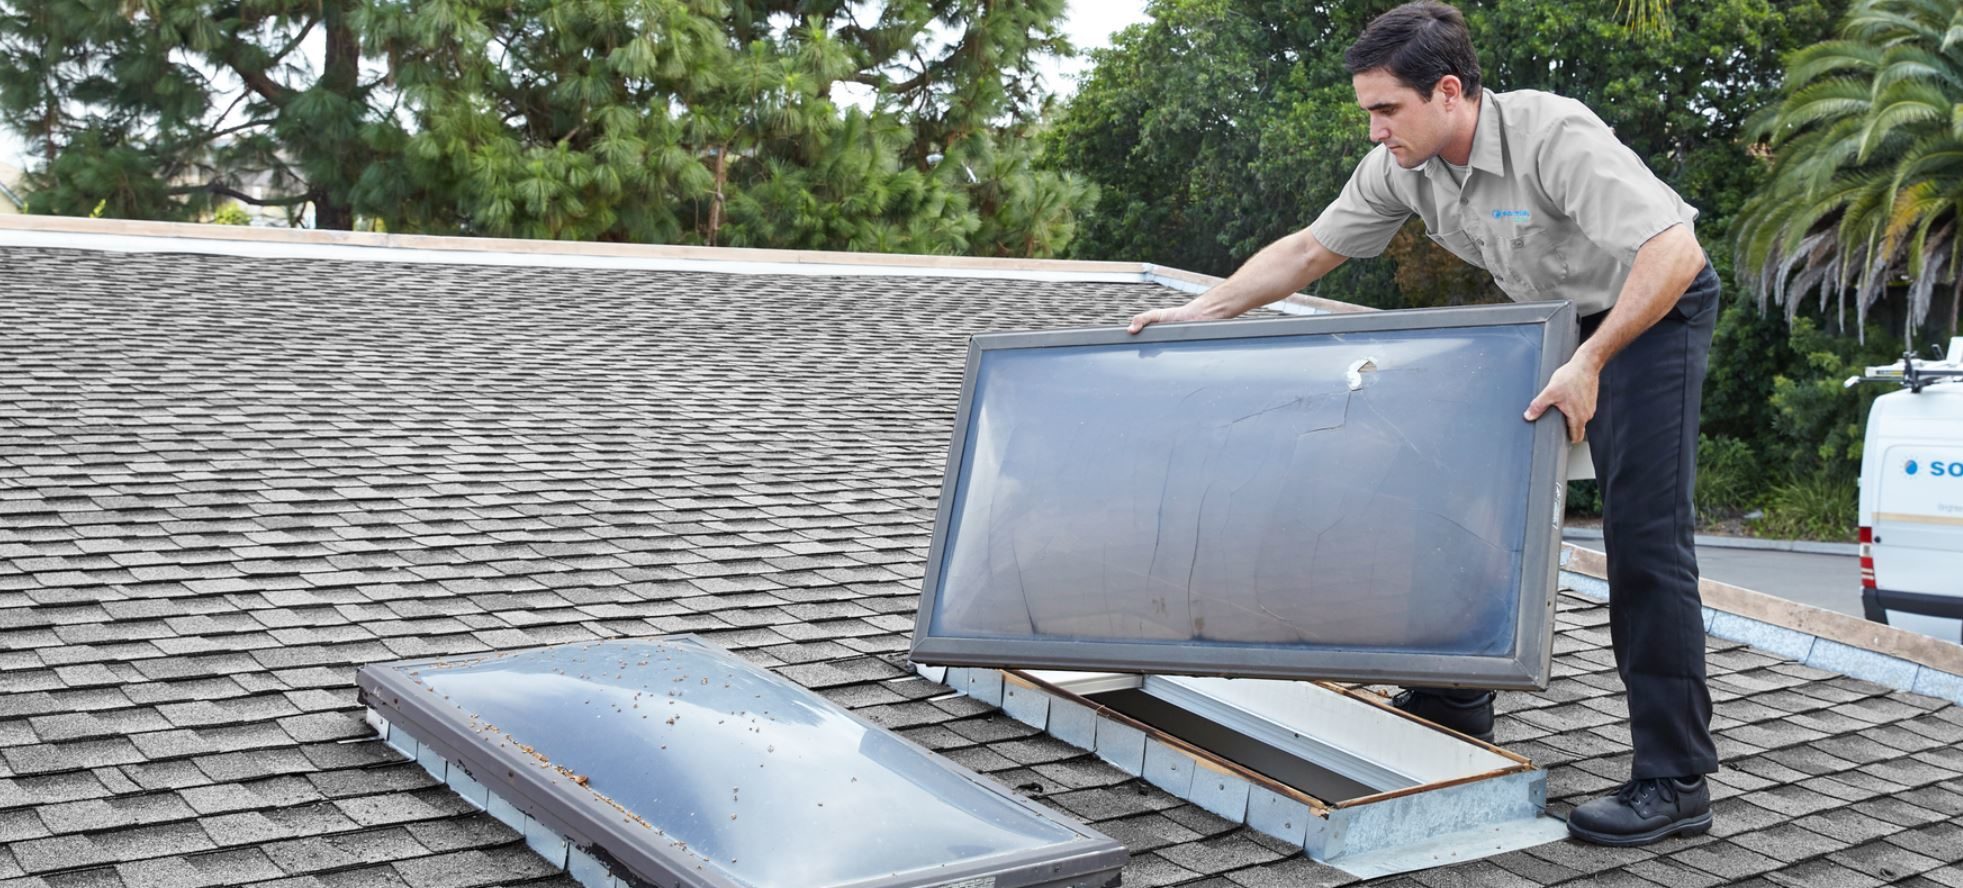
<point>1526,666</point>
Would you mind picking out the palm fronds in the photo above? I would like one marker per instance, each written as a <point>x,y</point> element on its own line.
<point>1867,165</point>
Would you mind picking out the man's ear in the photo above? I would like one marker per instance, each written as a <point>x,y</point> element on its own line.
<point>1450,89</point>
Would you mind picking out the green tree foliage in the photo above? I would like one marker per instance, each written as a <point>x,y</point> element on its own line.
<point>1783,435</point>
<point>230,214</point>
<point>1214,129</point>
<point>682,121</point>
<point>1813,410</point>
<point>1259,129</point>
<point>1867,173</point>
<point>117,96</point>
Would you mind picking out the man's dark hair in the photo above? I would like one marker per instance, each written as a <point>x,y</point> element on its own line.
<point>1419,43</point>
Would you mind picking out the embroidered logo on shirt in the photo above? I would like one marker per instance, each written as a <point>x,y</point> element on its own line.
<point>1517,216</point>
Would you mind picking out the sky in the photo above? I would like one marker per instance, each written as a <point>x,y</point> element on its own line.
<point>1090,25</point>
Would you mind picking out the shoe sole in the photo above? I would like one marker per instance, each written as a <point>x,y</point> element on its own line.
<point>1690,826</point>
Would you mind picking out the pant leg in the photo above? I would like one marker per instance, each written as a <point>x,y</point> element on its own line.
<point>1644,442</point>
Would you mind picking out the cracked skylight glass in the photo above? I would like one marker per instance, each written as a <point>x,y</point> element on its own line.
<point>1348,496</point>
<point>678,763</point>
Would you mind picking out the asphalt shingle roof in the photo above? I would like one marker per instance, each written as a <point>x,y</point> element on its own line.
<point>227,482</point>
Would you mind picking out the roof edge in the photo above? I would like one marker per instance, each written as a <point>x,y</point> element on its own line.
<point>1804,619</point>
<point>298,237</point>
<point>136,236</point>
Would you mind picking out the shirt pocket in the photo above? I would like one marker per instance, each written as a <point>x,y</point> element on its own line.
<point>1529,263</point>
<point>1458,243</point>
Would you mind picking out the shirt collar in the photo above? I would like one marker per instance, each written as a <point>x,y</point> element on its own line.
<point>1488,144</point>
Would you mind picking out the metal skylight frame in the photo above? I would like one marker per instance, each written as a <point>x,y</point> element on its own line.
<point>1528,666</point>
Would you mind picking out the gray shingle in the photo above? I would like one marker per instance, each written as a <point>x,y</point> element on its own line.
<point>1821,873</point>
<point>1479,874</point>
<point>95,877</point>
<point>469,869</point>
<point>1297,872</point>
<point>164,872</point>
<point>1847,825</point>
<point>1885,861</point>
<point>57,853</point>
<point>1220,855</point>
<point>234,867</point>
<point>183,837</point>
<point>1150,871</point>
<point>476,831</point>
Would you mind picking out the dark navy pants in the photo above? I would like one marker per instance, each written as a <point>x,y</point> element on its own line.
<point>1644,441</point>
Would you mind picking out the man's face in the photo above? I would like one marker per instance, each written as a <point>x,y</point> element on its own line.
<point>1413,128</point>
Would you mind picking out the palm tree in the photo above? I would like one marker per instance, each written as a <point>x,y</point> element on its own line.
<point>1867,165</point>
<point>1646,17</point>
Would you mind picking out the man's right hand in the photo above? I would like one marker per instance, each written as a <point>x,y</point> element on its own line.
<point>1176,315</point>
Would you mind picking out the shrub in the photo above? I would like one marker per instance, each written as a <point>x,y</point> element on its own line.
<point>1818,506</point>
<point>1730,477</point>
<point>1584,500</point>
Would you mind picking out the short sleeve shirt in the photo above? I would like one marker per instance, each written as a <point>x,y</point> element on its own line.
<point>1554,206</point>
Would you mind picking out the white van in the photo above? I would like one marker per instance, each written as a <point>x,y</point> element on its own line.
<point>1912,498</point>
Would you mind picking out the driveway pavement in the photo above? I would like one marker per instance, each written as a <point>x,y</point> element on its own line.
<point>1826,581</point>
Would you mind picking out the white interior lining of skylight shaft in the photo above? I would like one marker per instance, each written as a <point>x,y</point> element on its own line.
<point>1450,798</point>
<point>1304,711</point>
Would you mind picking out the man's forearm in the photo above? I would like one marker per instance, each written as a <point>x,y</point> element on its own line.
<point>1281,268</point>
<point>1664,269</point>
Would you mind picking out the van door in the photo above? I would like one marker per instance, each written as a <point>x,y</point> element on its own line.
<point>1918,538</point>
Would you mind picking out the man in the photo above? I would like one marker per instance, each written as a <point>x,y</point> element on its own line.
<point>1536,189</point>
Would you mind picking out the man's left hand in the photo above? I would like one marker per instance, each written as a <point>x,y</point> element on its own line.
<point>1572,391</point>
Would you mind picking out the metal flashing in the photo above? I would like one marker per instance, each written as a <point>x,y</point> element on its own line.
<point>1047,555</point>
<point>631,762</point>
<point>1466,795</point>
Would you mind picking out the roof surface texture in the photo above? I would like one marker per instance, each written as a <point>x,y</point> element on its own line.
<point>226,482</point>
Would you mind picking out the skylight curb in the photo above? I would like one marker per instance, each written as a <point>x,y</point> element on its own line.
<point>1807,635</point>
<point>1390,832</point>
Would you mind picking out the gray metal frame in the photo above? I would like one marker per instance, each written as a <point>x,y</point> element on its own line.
<point>1527,668</point>
<point>598,828</point>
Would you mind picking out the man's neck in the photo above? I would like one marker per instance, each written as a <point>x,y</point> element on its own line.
<point>1458,151</point>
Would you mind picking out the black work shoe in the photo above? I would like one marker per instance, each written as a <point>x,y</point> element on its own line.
<point>1645,811</point>
<point>1471,716</point>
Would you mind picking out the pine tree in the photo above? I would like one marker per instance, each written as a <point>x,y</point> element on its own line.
<point>722,122</point>
<point>154,108</point>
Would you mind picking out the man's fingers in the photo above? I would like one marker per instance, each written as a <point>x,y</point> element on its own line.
<point>1139,320</point>
<point>1576,428</point>
<point>1538,407</point>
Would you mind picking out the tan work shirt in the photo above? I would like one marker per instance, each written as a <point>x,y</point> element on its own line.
<point>1553,205</point>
